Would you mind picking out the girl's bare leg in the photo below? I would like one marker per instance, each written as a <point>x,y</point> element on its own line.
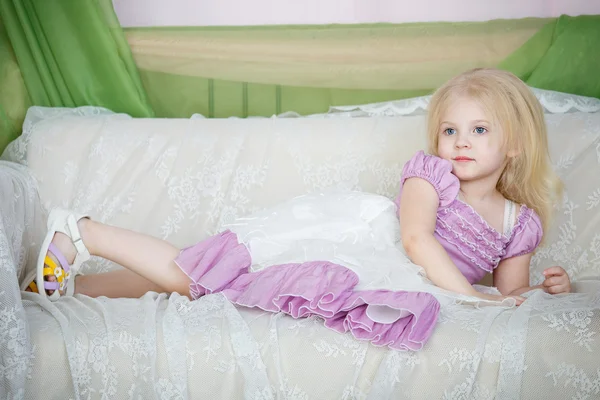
<point>149,261</point>
<point>115,284</point>
<point>145,255</point>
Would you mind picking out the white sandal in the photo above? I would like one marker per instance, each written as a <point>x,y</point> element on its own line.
<point>65,222</point>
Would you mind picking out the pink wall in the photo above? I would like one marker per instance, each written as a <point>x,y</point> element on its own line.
<point>268,12</point>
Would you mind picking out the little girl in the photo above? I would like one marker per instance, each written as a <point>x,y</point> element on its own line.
<point>484,197</point>
<point>477,204</point>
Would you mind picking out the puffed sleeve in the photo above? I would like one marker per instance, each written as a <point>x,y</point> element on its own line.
<point>436,171</point>
<point>527,234</point>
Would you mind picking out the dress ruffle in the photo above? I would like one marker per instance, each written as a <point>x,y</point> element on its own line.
<point>526,235</point>
<point>221,264</point>
<point>436,171</point>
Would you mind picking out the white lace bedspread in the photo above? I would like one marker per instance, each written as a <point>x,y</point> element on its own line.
<point>170,348</point>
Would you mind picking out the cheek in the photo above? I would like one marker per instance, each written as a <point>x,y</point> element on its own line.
<point>494,146</point>
<point>494,152</point>
<point>443,146</point>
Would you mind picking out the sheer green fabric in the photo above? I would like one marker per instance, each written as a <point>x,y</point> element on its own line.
<point>173,95</point>
<point>14,99</point>
<point>74,53</point>
<point>64,53</point>
<point>246,71</point>
<point>563,56</point>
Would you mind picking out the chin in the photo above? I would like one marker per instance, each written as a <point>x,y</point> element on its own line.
<point>462,176</point>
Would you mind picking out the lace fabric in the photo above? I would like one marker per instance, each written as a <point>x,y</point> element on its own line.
<point>160,347</point>
<point>22,222</point>
<point>552,102</point>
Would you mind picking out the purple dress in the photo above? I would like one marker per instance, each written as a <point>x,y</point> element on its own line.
<point>222,264</point>
<point>475,247</point>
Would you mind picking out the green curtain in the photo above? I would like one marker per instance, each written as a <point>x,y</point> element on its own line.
<point>73,53</point>
<point>67,53</point>
<point>563,56</point>
<point>14,99</point>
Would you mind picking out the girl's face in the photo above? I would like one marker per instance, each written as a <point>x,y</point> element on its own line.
<point>471,142</point>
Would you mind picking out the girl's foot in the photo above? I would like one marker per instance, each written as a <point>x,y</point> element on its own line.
<point>57,274</point>
<point>61,255</point>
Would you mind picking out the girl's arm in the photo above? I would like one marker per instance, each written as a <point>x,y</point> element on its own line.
<point>418,211</point>
<point>511,276</point>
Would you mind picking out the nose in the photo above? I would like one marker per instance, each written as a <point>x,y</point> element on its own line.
<point>461,141</point>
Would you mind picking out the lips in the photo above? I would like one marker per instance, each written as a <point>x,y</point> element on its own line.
<point>463,159</point>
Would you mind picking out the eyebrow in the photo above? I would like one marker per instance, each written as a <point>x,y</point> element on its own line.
<point>475,121</point>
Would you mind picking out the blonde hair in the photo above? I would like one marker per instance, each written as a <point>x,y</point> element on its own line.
<point>528,178</point>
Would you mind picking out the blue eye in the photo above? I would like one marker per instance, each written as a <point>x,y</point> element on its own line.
<point>480,130</point>
<point>449,131</point>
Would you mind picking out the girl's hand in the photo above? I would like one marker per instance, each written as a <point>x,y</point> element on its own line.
<point>498,297</point>
<point>557,280</point>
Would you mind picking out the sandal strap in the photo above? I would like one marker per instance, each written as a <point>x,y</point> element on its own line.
<point>51,269</point>
<point>59,256</point>
<point>70,290</point>
<point>76,236</point>
<point>51,285</point>
<point>33,287</point>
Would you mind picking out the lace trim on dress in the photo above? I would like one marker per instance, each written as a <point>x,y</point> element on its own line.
<point>473,257</point>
